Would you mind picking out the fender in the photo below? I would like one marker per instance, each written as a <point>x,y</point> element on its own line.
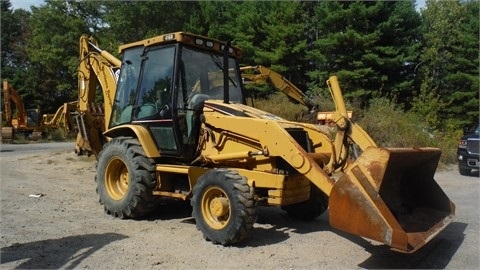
<point>139,132</point>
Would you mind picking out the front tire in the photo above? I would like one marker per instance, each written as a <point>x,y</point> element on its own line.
<point>223,206</point>
<point>316,205</point>
<point>465,172</point>
<point>125,179</point>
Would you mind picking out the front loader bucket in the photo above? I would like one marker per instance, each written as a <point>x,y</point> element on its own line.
<point>389,195</point>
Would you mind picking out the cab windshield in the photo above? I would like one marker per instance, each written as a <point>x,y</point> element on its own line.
<point>145,85</point>
<point>204,75</point>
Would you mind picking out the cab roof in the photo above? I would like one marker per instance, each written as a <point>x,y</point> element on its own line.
<point>201,42</point>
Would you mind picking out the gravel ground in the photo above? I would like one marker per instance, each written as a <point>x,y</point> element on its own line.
<point>51,218</point>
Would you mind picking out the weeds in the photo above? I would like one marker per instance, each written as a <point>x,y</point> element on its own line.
<point>280,105</point>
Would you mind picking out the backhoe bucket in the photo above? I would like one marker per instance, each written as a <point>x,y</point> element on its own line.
<point>389,195</point>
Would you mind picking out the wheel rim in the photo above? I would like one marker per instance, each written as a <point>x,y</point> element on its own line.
<point>215,208</point>
<point>117,179</point>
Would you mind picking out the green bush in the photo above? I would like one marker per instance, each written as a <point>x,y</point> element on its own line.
<point>390,126</point>
<point>20,138</point>
<point>56,135</point>
<point>447,140</point>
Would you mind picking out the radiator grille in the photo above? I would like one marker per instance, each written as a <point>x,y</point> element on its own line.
<point>473,146</point>
<point>301,137</point>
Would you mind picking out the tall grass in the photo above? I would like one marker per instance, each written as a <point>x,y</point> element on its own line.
<point>280,105</point>
<point>390,126</point>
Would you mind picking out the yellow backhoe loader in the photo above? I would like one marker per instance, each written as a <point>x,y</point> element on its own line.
<point>172,131</point>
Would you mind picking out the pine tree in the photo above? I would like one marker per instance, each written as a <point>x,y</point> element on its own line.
<point>371,46</point>
<point>270,33</point>
<point>450,64</point>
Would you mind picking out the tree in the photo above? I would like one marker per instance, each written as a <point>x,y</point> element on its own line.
<point>371,46</point>
<point>450,64</point>
<point>269,33</point>
<point>130,21</point>
<point>15,61</point>
<point>53,50</point>
<point>15,33</point>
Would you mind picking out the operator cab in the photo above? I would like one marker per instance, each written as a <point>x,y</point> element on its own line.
<point>163,83</point>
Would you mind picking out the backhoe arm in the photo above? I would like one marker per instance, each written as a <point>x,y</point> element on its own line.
<point>262,74</point>
<point>96,68</point>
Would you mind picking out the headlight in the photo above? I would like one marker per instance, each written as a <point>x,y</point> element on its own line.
<point>462,144</point>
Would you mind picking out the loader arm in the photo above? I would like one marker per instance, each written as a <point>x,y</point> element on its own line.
<point>96,68</point>
<point>266,138</point>
<point>387,194</point>
<point>347,130</point>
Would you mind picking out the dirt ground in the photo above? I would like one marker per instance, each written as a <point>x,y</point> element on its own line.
<point>51,218</point>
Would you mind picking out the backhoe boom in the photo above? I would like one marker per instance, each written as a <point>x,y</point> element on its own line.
<point>97,67</point>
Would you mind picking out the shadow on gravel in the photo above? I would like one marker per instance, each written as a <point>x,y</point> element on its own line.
<point>273,226</point>
<point>67,252</point>
<point>170,209</point>
<point>434,255</point>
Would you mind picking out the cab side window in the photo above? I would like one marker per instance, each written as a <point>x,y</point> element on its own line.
<point>126,87</point>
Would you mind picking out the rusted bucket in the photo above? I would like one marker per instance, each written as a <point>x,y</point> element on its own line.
<point>389,195</point>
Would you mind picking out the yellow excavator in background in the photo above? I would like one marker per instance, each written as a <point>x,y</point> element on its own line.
<point>62,118</point>
<point>30,122</point>
<point>172,131</point>
<point>27,122</point>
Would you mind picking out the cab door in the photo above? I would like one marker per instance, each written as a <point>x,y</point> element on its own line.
<point>154,97</point>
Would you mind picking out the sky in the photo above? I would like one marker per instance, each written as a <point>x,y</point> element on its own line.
<point>25,4</point>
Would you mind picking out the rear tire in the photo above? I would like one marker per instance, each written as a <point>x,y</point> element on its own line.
<point>465,172</point>
<point>316,205</point>
<point>125,179</point>
<point>223,206</point>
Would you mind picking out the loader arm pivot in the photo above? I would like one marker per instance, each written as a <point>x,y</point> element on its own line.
<point>347,130</point>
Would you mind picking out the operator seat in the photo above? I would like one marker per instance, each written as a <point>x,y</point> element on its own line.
<point>126,115</point>
<point>194,108</point>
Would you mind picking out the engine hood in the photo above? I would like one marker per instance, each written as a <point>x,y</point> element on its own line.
<point>240,110</point>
